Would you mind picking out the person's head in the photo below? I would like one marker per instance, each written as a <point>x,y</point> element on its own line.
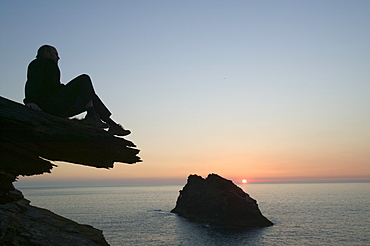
<point>49,52</point>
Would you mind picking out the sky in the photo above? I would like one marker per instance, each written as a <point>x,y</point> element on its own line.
<point>268,91</point>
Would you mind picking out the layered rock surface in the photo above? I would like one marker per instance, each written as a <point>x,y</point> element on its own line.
<point>218,201</point>
<point>29,141</point>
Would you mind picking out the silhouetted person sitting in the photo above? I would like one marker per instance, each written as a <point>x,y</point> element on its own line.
<point>45,92</point>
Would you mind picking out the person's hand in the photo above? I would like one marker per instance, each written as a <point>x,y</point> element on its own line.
<point>33,106</point>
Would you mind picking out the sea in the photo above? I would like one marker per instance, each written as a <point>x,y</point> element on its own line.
<point>303,214</point>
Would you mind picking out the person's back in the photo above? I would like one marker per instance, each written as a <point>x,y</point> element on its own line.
<point>43,81</point>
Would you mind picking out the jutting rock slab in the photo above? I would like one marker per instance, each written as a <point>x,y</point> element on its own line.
<point>218,201</point>
<point>29,141</point>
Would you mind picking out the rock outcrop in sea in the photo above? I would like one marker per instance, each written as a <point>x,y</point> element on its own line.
<point>218,201</point>
<point>29,141</point>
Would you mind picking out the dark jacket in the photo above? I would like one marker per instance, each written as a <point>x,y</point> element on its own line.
<point>43,81</point>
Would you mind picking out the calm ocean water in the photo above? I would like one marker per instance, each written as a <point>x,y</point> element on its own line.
<point>303,214</point>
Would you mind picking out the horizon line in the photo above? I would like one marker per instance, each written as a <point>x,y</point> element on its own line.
<point>159,182</point>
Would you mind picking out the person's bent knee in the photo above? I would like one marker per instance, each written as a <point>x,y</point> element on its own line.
<point>85,77</point>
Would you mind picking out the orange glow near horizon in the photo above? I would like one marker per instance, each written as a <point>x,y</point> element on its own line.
<point>153,171</point>
<point>244,181</point>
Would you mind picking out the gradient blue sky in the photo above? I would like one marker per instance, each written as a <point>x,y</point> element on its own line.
<point>262,90</point>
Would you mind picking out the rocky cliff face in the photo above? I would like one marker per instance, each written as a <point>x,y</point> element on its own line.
<point>218,201</point>
<point>23,224</point>
<point>29,140</point>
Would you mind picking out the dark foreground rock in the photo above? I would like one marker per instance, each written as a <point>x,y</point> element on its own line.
<point>23,224</point>
<point>30,139</point>
<point>217,201</point>
<point>29,143</point>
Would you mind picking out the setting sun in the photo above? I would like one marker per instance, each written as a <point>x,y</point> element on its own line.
<point>244,181</point>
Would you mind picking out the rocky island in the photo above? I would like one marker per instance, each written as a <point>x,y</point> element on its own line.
<point>218,201</point>
<point>29,141</point>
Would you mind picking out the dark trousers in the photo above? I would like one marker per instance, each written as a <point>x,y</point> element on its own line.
<point>72,98</point>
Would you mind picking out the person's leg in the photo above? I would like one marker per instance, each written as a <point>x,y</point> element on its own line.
<point>100,108</point>
<point>105,115</point>
<point>78,96</point>
<point>87,100</point>
<point>72,98</point>
<point>94,106</point>
<point>81,91</point>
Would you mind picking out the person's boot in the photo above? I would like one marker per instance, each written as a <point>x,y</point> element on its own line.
<point>117,129</point>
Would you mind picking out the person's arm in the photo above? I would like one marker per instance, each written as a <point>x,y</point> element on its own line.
<point>34,86</point>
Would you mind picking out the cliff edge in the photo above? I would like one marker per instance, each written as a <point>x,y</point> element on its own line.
<point>29,141</point>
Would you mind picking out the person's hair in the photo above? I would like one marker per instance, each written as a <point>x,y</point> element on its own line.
<point>41,51</point>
